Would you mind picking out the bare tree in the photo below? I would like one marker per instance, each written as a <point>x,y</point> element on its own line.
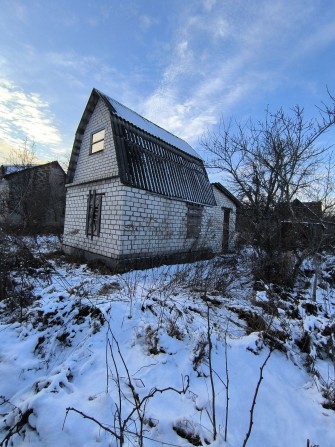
<point>23,156</point>
<point>18,196</point>
<point>271,163</point>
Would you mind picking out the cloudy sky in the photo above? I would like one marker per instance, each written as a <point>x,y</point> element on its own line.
<point>183,64</point>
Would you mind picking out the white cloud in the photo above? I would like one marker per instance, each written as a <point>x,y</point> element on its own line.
<point>208,4</point>
<point>25,115</point>
<point>222,57</point>
<point>146,22</point>
<point>72,61</point>
<point>6,150</point>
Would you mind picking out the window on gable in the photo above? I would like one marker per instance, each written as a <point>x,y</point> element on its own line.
<point>97,141</point>
<point>194,214</point>
<point>93,216</point>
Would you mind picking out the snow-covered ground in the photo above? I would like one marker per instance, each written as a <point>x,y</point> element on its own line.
<point>95,351</point>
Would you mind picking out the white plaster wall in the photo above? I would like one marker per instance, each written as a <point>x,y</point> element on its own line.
<point>101,164</point>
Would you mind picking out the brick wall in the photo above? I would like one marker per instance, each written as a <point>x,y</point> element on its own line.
<point>134,223</point>
<point>223,201</point>
<point>101,164</point>
<point>109,242</point>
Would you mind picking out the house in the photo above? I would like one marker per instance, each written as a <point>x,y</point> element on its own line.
<point>302,224</point>
<point>138,195</point>
<point>32,197</point>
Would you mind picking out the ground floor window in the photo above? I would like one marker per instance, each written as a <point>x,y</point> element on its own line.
<point>93,216</point>
<point>194,215</point>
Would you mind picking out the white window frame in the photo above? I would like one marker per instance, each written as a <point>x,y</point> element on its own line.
<point>96,143</point>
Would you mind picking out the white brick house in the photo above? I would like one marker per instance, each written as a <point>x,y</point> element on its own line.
<point>136,194</point>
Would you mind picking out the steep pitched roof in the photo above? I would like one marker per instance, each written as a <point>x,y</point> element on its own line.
<point>148,156</point>
<point>153,129</point>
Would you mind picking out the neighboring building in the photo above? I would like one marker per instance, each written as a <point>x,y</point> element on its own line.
<point>302,224</point>
<point>136,194</point>
<point>32,197</point>
<point>229,205</point>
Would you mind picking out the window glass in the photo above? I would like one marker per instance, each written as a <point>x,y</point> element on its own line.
<point>98,141</point>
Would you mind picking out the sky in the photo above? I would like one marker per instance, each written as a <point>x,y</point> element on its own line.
<point>183,64</point>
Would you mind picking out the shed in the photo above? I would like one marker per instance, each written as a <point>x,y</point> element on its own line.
<point>32,197</point>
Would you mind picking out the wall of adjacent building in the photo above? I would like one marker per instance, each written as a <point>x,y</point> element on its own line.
<point>35,198</point>
<point>224,202</point>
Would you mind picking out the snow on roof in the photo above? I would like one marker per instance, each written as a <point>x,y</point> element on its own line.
<point>141,122</point>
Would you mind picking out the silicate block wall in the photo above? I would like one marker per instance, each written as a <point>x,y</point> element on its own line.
<point>111,229</point>
<point>101,164</point>
<point>224,202</point>
<point>211,229</point>
<point>137,223</point>
<point>155,225</point>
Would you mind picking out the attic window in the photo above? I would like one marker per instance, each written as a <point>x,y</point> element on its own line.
<point>97,141</point>
<point>194,214</point>
<point>93,216</point>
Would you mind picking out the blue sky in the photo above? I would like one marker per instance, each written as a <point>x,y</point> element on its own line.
<point>183,64</point>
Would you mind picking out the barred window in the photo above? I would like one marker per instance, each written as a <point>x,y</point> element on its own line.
<point>194,214</point>
<point>93,216</point>
<point>97,141</point>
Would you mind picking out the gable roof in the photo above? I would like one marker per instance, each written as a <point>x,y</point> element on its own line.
<point>227,193</point>
<point>148,157</point>
<point>142,123</point>
<point>9,171</point>
<point>307,209</point>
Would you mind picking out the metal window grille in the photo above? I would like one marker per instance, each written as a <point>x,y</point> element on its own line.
<point>93,217</point>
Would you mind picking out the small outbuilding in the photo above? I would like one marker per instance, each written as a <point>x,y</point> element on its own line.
<point>32,197</point>
<point>138,195</point>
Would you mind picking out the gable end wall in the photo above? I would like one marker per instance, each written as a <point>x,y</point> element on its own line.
<point>101,165</point>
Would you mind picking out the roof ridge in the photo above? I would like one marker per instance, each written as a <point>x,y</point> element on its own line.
<point>187,147</point>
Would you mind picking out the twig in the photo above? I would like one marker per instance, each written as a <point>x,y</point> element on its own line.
<point>210,346</point>
<point>85,416</point>
<point>251,420</point>
<point>227,389</point>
